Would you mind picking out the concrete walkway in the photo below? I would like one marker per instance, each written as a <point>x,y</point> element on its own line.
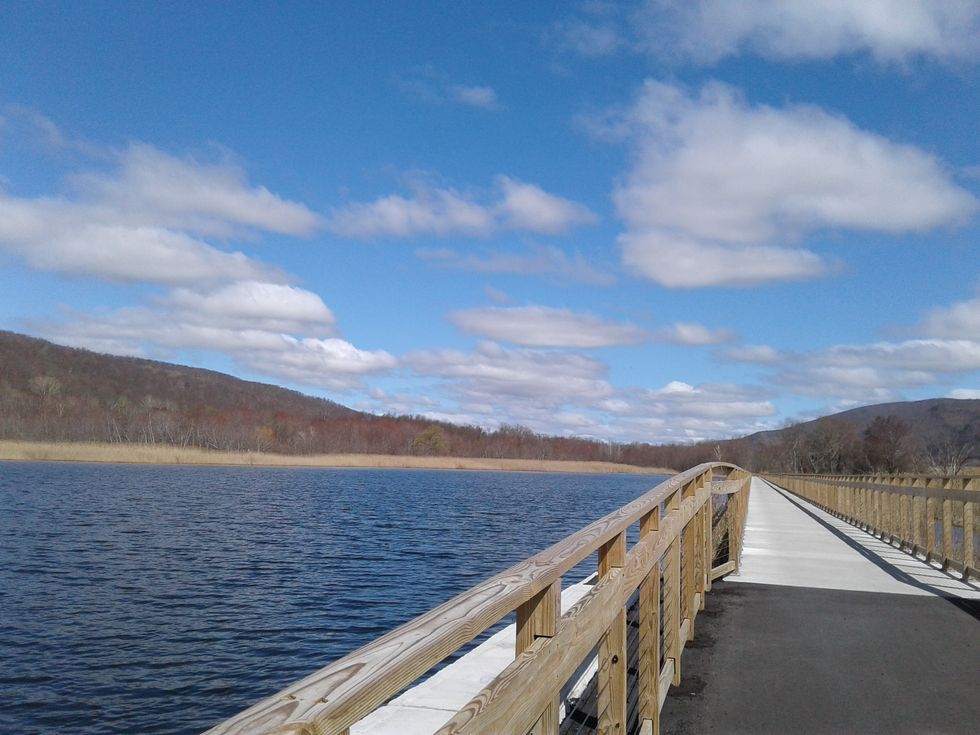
<point>790,542</point>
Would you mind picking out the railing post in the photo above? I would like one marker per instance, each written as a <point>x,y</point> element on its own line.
<point>969,562</point>
<point>611,697</point>
<point>931,522</point>
<point>648,659</point>
<point>538,618</point>
<point>947,529</point>
<point>689,545</point>
<point>672,597</point>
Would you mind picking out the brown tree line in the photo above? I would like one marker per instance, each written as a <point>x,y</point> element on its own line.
<point>54,393</point>
<point>45,411</point>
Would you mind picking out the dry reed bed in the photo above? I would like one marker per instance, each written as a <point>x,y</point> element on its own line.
<point>163,454</point>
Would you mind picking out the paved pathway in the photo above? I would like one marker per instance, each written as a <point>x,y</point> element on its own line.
<point>828,630</point>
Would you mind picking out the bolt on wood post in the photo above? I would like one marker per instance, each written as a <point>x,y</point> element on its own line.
<point>538,618</point>
<point>611,697</point>
<point>648,656</point>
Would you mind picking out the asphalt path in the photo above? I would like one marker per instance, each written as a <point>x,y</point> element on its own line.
<point>785,659</point>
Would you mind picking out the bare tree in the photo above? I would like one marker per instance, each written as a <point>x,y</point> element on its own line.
<point>948,458</point>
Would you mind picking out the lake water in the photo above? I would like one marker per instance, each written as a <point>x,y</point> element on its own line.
<point>137,599</point>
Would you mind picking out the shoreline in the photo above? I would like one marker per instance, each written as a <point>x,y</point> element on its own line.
<point>162,454</point>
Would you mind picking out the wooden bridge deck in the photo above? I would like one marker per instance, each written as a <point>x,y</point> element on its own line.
<point>867,639</point>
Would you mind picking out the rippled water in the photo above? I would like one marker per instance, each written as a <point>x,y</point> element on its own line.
<point>140,599</point>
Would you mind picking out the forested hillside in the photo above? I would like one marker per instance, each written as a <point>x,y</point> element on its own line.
<point>54,393</point>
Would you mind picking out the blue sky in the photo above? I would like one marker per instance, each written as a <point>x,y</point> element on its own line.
<point>633,221</point>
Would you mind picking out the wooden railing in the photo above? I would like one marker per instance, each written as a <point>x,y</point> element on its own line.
<point>670,566</point>
<point>919,514</point>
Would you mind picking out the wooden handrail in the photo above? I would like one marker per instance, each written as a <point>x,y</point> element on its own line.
<point>329,701</point>
<point>897,509</point>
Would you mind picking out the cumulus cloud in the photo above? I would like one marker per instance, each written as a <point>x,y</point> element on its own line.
<point>208,198</point>
<point>541,326</point>
<point>567,393</point>
<point>256,305</point>
<point>65,237</point>
<point>144,220</point>
<point>254,323</point>
<point>863,373</point>
<point>721,192</point>
<point>428,212</point>
<point>890,30</point>
<point>431,210</point>
<point>679,400</point>
<point>531,209</point>
<point>964,393</point>
<point>538,260</point>
<point>692,333</point>
<point>493,373</point>
<point>961,320</point>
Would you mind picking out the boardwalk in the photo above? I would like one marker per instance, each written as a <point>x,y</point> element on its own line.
<point>826,629</point>
<point>738,608</point>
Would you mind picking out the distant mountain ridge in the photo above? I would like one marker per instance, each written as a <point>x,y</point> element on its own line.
<point>107,378</point>
<point>933,420</point>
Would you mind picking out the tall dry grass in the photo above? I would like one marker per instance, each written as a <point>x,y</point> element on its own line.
<point>163,454</point>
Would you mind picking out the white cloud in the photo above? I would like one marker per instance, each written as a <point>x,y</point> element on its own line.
<point>65,237</point>
<point>932,355</point>
<point>247,321</point>
<point>961,320</point>
<point>531,209</point>
<point>444,211</point>
<point>484,98</point>
<point>324,363</point>
<point>692,333</point>
<point>541,326</point>
<point>964,393</point>
<point>143,220</point>
<point>677,261</point>
<point>866,373</point>
<point>494,374</point>
<point>890,30</point>
<point>757,354</point>
<point>539,260</point>
<point>721,191</point>
<point>566,393</point>
<point>428,212</point>
<point>257,305</point>
<point>209,198</point>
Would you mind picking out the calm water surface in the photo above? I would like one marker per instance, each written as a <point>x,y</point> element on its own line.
<point>140,599</point>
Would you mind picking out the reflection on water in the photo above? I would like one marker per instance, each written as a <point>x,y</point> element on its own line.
<point>163,599</point>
